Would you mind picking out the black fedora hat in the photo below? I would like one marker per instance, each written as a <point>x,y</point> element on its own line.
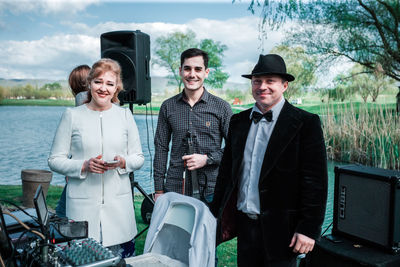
<point>270,64</point>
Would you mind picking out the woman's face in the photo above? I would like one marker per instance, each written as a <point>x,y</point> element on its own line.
<point>103,89</point>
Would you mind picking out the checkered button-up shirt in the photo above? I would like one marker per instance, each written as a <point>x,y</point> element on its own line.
<point>208,122</point>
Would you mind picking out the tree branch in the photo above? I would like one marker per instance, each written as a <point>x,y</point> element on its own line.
<point>395,29</point>
<point>378,27</point>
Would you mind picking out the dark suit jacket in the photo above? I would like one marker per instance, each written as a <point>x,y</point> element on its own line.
<point>292,185</point>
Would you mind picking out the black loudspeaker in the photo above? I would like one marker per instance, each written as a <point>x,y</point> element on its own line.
<point>132,51</point>
<point>367,205</point>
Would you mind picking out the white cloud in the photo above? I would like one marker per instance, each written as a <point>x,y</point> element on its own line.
<point>50,57</point>
<point>179,1</point>
<point>241,37</point>
<point>159,70</point>
<point>74,6</point>
<point>45,6</point>
<point>54,56</point>
<point>154,29</point>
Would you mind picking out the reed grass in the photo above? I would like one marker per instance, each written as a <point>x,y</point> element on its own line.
<point>361,134</point>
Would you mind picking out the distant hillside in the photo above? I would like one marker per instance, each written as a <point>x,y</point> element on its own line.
<point>158,84</point>
<point>34,82</point>
<point>237,86</point>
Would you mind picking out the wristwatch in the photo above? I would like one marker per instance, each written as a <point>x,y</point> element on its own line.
<point>210,159</point>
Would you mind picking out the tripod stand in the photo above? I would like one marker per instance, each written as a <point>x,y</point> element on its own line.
<point>134,185</point>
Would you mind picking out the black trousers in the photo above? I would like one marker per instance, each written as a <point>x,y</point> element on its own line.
<point>250,248</point>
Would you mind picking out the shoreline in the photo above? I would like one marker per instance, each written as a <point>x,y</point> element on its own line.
<point>154,108</point>
<point>137,109</point>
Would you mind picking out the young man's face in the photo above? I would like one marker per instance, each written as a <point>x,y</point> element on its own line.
<point>267,90</point>
<point>193,72</point>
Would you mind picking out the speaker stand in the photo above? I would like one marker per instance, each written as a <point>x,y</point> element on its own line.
<point>135,184</point>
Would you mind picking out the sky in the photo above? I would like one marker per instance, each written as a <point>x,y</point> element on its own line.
<point>46,39</point>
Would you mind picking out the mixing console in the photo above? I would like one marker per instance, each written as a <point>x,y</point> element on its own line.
<point>83,253</point>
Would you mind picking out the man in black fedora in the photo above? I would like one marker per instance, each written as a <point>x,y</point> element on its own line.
<point>272,184</point>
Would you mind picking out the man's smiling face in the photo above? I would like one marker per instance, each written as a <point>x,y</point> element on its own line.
<point>193,72</point>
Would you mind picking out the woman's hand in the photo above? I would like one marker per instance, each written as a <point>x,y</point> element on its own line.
<point>95,165</point>
<point>120,163</point>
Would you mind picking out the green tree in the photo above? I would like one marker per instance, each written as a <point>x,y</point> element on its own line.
<point>51,86</point>
<point>216,77</point>
<point>28,91</point>
<point>301,66</point>
<point>380,82</point>
<point>169,48</point>
<point>343,88</point>
<point>360,81</point>
<point>2,92</point>
<point>366,84</point>
<point>323,93</point>
<point>362,31</point>
<point>361,84</point>
<point>43,94</point>
<point>338,93</point>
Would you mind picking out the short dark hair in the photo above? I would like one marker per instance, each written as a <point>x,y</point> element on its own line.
<point>78,79</point>
<point>194,52</point>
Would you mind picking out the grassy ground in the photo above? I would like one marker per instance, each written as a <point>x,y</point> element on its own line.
<point>226,252</point>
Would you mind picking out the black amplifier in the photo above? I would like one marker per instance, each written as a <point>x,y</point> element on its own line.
<point>367,205</point>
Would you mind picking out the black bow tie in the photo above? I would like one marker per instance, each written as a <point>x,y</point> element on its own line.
<point>257,116</point>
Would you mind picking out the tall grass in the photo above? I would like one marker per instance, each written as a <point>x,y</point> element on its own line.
<point>361,134</point>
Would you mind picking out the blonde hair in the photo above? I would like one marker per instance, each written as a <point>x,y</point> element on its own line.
<point>102,66</point>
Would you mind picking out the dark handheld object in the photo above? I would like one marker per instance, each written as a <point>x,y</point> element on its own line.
<point>195,181</point>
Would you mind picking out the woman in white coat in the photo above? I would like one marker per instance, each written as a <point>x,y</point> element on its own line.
<point>88,139</point>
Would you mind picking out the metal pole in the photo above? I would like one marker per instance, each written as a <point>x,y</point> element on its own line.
<point>136,184</point>
<point>398,101</point>
<point>131,175</point>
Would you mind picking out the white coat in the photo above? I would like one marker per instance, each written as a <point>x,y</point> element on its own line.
<point>104,200</point>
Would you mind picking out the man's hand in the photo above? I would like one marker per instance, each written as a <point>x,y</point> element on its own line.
<point>301,243</point>
<point>157,194</point>
<point>195,161</point>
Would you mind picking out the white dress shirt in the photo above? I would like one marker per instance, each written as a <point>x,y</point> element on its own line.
<point>253,157</point>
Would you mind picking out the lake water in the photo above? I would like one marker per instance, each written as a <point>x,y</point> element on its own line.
<point>27,133</point>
